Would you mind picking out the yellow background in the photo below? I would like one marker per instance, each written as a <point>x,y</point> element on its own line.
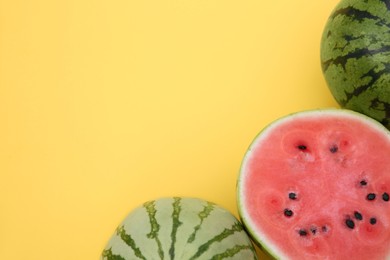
<point>107,104</point>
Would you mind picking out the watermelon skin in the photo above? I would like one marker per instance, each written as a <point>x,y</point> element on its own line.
<point>297,153</point>
<point>355,57</point>
<point>179,228</point>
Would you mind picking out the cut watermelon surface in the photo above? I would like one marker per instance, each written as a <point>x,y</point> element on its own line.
<point>316,185</point>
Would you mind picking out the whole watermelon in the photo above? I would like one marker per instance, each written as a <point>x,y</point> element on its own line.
<point>179,228</point>
<point>355,57</point>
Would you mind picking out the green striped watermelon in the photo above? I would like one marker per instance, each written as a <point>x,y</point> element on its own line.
<point>355,56</point>
<point>316,185</point>
<point>181,229</point>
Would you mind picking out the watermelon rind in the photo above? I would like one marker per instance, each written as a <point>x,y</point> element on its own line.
<point>355,57</point>
<point>179,228</point>
<point>259,238</point>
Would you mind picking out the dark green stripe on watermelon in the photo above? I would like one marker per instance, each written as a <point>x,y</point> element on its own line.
<point>107,254</point>
<point>237,227</point>
<point>129,241</point>
<point>155,227</point>
<point>355,57</point>
<point>359,15</point>
<point>176,223</point>
<point>232,251</point>
<point>207,209</point>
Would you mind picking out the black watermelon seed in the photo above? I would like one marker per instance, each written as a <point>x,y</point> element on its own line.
<point>357,215</point>
<point>371,196</point>
<point>363,182</point>
<point>385,196</point>
<point>324,229</point>
<point>288,212</point>
<point>313,230</point>
<point>292,196</point>
<point>350,224</point>
<point>333,149</point>
<point>302,232</point>
<point>372,221</point>
<point>302,147</point>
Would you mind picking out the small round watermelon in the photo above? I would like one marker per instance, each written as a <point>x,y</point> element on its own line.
<point>178,228</point>
<point>316,185</point>
<point>355,57</point>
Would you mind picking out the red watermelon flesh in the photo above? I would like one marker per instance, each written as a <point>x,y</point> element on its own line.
<point>316,185</point>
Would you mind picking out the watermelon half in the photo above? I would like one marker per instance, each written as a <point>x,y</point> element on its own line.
<point>178,228</point>
<point>316,185</point>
